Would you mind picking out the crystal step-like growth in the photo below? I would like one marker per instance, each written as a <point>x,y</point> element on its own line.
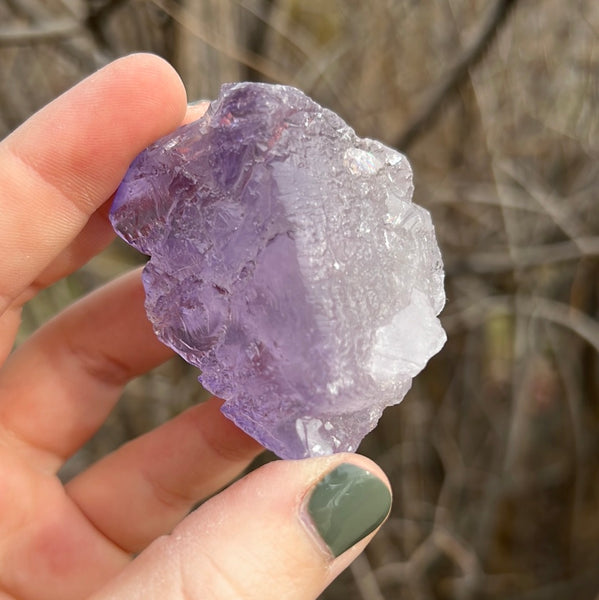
<point>288,263</point>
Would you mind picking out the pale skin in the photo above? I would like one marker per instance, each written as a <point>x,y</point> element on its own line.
<point>57,175</point>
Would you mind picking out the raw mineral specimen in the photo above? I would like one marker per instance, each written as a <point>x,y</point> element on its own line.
<point>288,263</point>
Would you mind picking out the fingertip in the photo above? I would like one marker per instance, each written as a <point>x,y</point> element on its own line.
<point>154,83</point>
<point>96,129</point>
<point>298,519</point>
<point>139,98</point>
<point>266,533</point>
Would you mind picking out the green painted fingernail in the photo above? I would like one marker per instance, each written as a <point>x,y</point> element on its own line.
<point>347,505</point>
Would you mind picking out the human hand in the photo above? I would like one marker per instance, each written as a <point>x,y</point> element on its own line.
<point>274,534</point>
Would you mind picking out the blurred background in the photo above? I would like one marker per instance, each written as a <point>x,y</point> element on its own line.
<point>494,453</point>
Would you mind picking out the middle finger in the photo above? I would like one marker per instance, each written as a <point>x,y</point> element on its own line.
<point>143,489</point>
<point>59,386</point>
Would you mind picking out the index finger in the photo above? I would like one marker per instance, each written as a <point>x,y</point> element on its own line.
<point>66,161</point>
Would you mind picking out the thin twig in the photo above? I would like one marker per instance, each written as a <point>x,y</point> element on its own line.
<point>455,75</point>
<point>559,313</point>
<point>260,64</point>
<point>526,257</point>
<point>39,33</point>
<point>365,579</point>
<point>98,17</point>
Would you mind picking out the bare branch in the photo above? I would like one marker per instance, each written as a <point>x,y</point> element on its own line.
<point>525,257</point>
<point>534,306</point>
<point>456,74</point>
<point>366,579</point>
<point>97,18</point>
<point>260,64</point>
<point>39,33</point>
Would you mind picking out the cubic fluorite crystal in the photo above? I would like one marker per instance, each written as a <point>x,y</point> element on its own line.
<point>288,263</point>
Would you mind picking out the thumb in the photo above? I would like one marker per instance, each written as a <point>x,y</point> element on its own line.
<point>284,531</point>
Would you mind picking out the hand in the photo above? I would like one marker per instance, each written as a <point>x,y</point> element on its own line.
<point>273,534</point>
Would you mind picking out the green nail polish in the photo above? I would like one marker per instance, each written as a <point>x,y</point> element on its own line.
<point>346,505</point>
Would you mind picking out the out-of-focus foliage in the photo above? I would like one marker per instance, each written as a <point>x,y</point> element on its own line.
<point>494,454</point>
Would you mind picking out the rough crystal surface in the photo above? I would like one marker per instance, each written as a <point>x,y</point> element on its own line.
<point>288,264</point>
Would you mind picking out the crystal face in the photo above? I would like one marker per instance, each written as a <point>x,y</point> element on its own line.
<point>288,264</point>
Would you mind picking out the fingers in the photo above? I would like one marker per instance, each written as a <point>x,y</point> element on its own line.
<point>162,475</point>
<point>60,385</point>
<point>95,235</point>
<point>60,166</point>
<point>49,550</point>
<point>81,536</point>
<point>285,531</point>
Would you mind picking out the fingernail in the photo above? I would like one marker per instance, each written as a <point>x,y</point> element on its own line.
<point>198,102</point>
<point>347,505</point>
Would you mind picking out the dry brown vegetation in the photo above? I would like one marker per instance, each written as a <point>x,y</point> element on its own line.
<point>494,454</point>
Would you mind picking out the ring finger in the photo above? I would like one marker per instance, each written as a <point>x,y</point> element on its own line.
<point>82,359</point>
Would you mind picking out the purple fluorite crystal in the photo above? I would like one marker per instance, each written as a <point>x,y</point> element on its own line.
<point>288,263</point>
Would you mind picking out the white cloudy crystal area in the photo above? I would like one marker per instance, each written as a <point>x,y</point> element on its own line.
<point>374,277</point>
